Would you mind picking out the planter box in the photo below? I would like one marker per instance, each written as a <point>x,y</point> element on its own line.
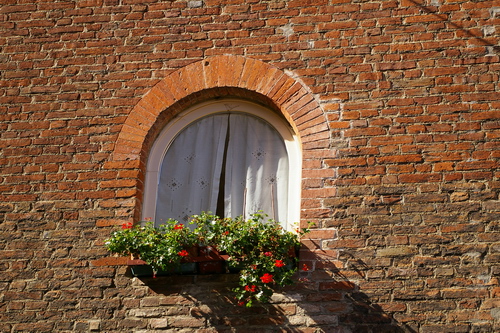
<point>140,269</point>
<point>212,267</point>
<point>208,261</point>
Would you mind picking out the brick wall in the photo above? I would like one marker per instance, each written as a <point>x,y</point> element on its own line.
<point>398,107</point>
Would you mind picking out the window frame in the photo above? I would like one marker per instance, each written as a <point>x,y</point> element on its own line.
<point>194,113</point>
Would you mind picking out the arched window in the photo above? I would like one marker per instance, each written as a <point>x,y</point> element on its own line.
<point>229,157</point>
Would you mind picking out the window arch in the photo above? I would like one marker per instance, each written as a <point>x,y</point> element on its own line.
<point>230,157</point>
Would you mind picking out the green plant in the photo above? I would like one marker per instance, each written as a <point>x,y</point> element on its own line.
<point>263,250</point>
<point>161,247</point>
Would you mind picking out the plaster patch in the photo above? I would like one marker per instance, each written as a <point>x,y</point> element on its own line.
<point>495,313</point>
<point>473,254</point>
<point>287,30</point>
<point>484,278</point>
<point>195,4</point>
<point>494,12</point>
<point>489,30</point>
<point>490,51</point>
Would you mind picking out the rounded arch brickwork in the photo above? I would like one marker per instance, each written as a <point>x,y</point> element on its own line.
<point>219,76</point>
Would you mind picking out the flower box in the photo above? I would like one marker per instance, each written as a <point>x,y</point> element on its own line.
<point>203,260</point>
<point>211,261</point>
<point>140,268</point>
<point>262,252</point>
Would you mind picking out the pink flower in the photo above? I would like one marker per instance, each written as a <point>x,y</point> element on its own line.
<point>268,254</point>
<point>183,253</point>
<point>267,278</point>
<point>279,263</point>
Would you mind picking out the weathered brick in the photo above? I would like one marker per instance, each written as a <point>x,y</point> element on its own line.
<point>396,252</point>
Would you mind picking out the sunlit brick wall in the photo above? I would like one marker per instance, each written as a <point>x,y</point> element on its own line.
<point>397,103</point>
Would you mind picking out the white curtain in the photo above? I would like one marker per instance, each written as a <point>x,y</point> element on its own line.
<point>257,169</point>
<point>191,169</point>
<point>254,177</point>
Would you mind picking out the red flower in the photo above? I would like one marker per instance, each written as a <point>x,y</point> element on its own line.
<point>178,226</point>
<point>127,225</point>
<point>267,278</point>
<point>268,254</point>
<point>279,263</point>
<point>241,303</point>
<point>183,253</point>
<point>252,288</point>
<point>225,233</point>
<point>305,268</point>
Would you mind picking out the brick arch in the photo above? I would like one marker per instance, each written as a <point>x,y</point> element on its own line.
<point>244,77</point>
<point>219,76</point>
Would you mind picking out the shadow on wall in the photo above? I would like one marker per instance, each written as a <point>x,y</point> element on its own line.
<point>334,304</point>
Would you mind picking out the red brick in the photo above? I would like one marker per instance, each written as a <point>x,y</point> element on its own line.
<point>419,178</point>
<point>396,109</point>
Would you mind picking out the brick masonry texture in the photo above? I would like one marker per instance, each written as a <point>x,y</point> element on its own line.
<point>396,102</point>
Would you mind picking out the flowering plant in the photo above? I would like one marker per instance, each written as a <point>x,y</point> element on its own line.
<point>161,247</point>
<point>263,250</point>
